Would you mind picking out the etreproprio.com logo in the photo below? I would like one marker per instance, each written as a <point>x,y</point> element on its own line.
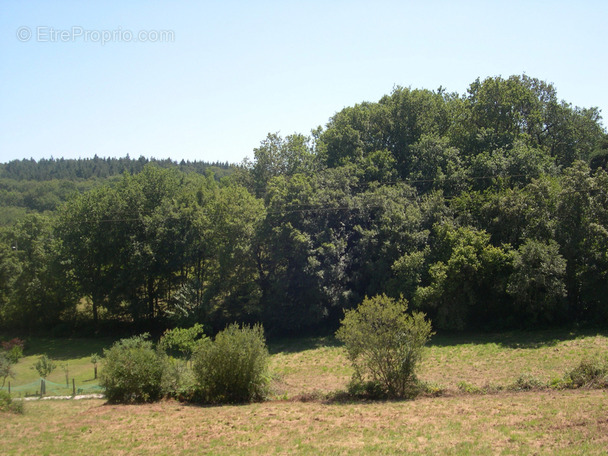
<point>47,34</point>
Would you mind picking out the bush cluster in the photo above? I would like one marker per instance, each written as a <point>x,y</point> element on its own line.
<point>230,369</point>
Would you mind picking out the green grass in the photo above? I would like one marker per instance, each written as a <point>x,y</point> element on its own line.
<point>319,365</point>
<point>75,353</point>
<point>499,359</point>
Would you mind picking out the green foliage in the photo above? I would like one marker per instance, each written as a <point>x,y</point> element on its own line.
<point>589,373</point>
<point>279,156</point>
<point>467,282</point>
<point>384,344</point>
<point>132,371</point>
<point>40,291</point>
<point>178,380</point>
<point>13,349</point>
<point>480,208</point>
<point>183,340</point>
<point>537,282</point>
<point>527,382</point>
<point>44,366</point>
<point>233,367</point>
<point>6,367</point>
<point>8,405</point>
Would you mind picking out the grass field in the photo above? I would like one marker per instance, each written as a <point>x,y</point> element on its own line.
<point>505,422</point>
<point>75,354</point>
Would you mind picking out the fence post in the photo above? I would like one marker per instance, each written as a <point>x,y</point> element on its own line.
<point>9,388</point>
<point>41,386</point>
<point>73,387</point>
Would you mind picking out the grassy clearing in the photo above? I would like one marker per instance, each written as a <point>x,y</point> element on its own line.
<point>76,353</point>
<point>304,366</point>
<point>320,365</point>
<point>498,359</point>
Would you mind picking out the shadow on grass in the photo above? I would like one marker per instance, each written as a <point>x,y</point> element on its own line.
<point>297,345</point>
<point>513,339</point>
<point>64,349</point>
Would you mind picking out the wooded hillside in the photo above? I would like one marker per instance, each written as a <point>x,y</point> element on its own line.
<point>485,210</point>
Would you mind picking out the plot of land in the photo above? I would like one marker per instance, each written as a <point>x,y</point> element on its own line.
<point>570,422</point>
<point>545,422</point>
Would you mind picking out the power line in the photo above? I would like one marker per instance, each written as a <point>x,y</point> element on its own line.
<point>355,207</point>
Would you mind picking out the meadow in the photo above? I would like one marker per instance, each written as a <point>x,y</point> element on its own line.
<point>477,412</point>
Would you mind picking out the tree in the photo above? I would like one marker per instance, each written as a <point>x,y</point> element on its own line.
<point>384,343</point>
<point>537,284</point>
<point>279,156</point>
<point>467,279</point>
<point>42,291</point>
<point>6,370</point>
<point>183,340</point>
<point>45,366</point>
<point>92,232</point>
<point>9,271</point>
<point>95,358</point>
<point>437,165</point>
<point>10,353</point>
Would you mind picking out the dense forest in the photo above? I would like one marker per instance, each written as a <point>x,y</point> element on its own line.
<point>485,210</point>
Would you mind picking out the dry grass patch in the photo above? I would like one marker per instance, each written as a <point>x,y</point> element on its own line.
<point>568,422</point>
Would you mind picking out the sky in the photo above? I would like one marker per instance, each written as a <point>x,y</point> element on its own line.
<point>208,80</point>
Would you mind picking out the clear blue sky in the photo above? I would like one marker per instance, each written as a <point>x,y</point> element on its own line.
<point>235,71</point>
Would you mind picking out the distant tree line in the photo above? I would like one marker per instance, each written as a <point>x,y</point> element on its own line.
<point>30,186</point>
<point>485,210</point>
<point>96,167</point>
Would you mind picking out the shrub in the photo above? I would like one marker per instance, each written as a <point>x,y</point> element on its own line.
<point>469,388</point>
<point>366,389</point>
<point>384,345</point>
<point>132,371</point>
<point>8,405</point>
<point>177,379</point>
<point>592,373</point>
<point>13,349</point>
<point>527,382</point>
<point>234,367</point>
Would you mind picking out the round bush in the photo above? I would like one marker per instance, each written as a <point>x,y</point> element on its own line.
<point>233,368</point>
<point>384,344</point>
<point>132,371</point>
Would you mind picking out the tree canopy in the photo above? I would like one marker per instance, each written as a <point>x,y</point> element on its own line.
<point>484,210</point>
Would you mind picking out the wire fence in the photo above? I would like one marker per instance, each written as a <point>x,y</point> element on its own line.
<point>42,387</point>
